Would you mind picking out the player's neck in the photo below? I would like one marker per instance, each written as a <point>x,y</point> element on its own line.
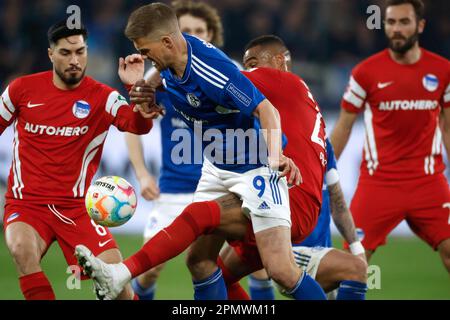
<point>61,84</point>
<point>410,57</point>
<point>179,66</point>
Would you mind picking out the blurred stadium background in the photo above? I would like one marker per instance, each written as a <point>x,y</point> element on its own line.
<point>326,37</point>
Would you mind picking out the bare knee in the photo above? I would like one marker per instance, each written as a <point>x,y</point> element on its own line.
<point>286,276</point>
<point>356,270</point>
<point>26,256</point>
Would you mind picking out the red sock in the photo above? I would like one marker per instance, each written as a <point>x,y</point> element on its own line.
<point>35,286</point>
<point>234,289</point>
<point>197,219</point>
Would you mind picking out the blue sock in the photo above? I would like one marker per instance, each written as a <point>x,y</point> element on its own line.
<point>307,289</point>
<point>351,290</point>
<point>261,289</point>
<point>211,288</point>
<point>143,293</point>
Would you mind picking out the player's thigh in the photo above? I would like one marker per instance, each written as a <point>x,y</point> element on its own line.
<point>377,209</point>
<point>429,215</point>
<point>27,233</point>
<point>83,231</point>
<point>274,246</point>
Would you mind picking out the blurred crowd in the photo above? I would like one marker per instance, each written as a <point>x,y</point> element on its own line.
<point>326,37</point>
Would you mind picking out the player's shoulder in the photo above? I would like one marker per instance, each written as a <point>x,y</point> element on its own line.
<point>34,79</point>
<point>204,53</point>
<point>373,61</point>
<point>435,58</point>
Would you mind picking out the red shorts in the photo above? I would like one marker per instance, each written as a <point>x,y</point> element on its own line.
<point>378,207</point>
<point>69,226</point>
<point>304,214</point>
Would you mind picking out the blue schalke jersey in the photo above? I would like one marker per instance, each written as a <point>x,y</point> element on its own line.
<point>211,97</point>
<point>321,235</point>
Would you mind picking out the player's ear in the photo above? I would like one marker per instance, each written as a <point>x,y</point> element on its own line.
<point>421,26</point>
<point>50,54</point>
<point>167,42</point>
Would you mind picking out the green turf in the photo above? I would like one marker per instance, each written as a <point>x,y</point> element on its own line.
<point>409,270</point>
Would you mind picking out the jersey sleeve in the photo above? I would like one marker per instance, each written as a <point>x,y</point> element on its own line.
<point>222,81</point>
<point>332,175</point>
<point>9,102</point>
<point>124,118</point>
<point>356,92</point>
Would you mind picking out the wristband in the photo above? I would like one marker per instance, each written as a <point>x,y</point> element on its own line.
<point>356,248</point>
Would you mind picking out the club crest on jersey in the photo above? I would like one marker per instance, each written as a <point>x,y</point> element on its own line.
<point>193,100</point>
<point>12,217</point>
<point>81,109</point>
<point>430,82</point>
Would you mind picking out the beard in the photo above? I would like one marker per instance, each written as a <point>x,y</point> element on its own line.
<point>407,44</point>
<point>70,80</point>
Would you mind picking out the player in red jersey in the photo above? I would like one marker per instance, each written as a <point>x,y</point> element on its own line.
<point>61,119</point>
<point>403,91</point>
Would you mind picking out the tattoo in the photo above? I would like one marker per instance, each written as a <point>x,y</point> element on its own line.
<point>229,201</point>
<point>341,214</point>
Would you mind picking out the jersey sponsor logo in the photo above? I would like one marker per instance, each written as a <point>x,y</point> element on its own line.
<point>15,215</point>
<point>382,85</point>
<point>408,105</point>
<point>33,105</point>
<point>193,100</point>
<point>238,94</point>
<point>81,109</point>
<point>190,118</point>
<point>56,131</point>
<point>222,110</point>
<point>430,82</point>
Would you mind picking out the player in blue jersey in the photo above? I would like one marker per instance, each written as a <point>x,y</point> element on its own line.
<point>178,180</point>
<point>330,267</point>
<point>214,98</point>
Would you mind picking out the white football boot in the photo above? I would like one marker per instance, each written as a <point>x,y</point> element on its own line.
<point>110,279</point>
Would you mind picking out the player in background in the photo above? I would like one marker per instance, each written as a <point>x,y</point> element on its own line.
<point>402,90</point>
<point>186,65</point>
<point>61,118</point>
<point>177,182</point>
<point>330,267</point>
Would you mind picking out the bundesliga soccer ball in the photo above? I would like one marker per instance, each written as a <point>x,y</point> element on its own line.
<point>111,201</point>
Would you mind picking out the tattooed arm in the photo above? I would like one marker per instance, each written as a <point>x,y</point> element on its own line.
<point>342,217</point>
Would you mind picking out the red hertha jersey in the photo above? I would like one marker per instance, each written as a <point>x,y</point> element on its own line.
<point>301,122</point>
<point>401,105</point>
<point>59,135</point>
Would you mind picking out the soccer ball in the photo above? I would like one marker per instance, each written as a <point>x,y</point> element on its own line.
<point>111,201</point>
